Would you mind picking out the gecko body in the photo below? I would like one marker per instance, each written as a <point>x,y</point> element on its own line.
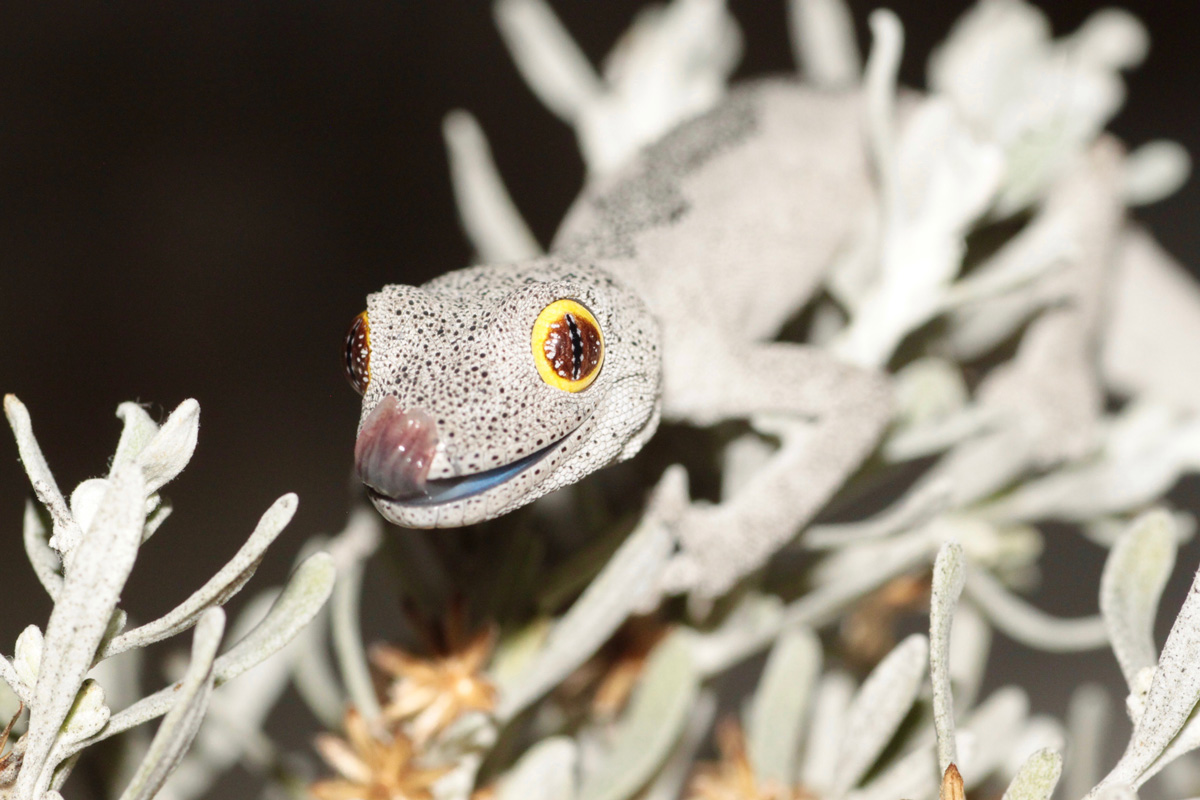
<point>676,272</point>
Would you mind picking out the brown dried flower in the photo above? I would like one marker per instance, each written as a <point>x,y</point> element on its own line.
<point>611,674</point>
<point>868,633</point>
<point>372,768</point>
<point>732,778</point>
<point>434,692</point>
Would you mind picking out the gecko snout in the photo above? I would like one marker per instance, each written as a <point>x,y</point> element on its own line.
<point>394,450</point>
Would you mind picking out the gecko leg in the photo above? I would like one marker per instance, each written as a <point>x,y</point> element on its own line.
<point>828,416</point>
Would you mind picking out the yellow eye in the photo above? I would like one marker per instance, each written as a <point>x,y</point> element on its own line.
<point>568,347</point>
<point>357,353</point>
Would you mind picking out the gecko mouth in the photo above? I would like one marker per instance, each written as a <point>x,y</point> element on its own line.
<point>439,491</point>
<point>396,448</point>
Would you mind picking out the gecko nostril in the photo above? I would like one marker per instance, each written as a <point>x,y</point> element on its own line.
<point>395,449</point>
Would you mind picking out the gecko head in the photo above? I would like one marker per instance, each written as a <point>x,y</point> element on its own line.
<point>493,385</point>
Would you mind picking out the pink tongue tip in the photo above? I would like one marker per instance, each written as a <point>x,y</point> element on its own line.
<point>394,450</point>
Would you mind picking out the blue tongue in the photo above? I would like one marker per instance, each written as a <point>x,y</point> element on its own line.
<point>447,490</point>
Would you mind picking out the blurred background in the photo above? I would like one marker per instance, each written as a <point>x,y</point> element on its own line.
<point>196,198</point>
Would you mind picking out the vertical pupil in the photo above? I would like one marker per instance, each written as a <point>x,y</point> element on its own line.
<point>576,347</point>
<point>572,346</point>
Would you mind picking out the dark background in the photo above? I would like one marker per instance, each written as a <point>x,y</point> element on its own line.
<point>196,198</point>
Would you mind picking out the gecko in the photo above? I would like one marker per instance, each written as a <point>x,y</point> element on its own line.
<point>661,298</point>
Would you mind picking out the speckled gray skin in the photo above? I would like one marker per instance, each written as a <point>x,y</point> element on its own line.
<point>691,259</point>
<point>459,349</point>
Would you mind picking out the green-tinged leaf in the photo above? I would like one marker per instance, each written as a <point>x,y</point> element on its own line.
<point>545,772</point>
<point>877,710</point>
<point>779,709</point>
<point>1037,777</point>
<point>136,433</point>
<point>1134,576</point>
<point>649,729</point>
<point>89,713</point>
<point>517,650</point>
<point>182,722</point>
<point>668,783</point>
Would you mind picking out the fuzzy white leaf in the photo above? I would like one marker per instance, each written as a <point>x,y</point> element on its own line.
<point>1111,38</point>
<point>995,727</point>
<point>307,590</point>
<point>182,722</point>
<point>878,709</point>
<point>86,499</point>
<point>231,731</point>
<point>100,565</point>
<point>1037,778</point>
<point>824,43</point>
<point>1152,321</point>
<point>45,561</point>
<point>1135,575</point>
<point>66,531</point>
<point>912,776</point>
<point>11,684</point>
<point>1155,171</point>
<point>139,428</point>
<point>779,709</point>
<point>1029,625</point>
<point>1088,716</point>
<point>668,784</point>
<point>89,713</point>
<point>217,590</point>
<point>348,644</point>
<point>1173,695</point>
<point>948,577</point>
<point>669,66</point>
<point>916,508</point>
<point>650,728</point>
<point>549,60</point>
<point>490,218</point>
<point>27,656</point>
<point>171,449</point>
<point>599,611</point>
<point>970,643</point>
<point>826,730</point>
<point>545,772</point>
